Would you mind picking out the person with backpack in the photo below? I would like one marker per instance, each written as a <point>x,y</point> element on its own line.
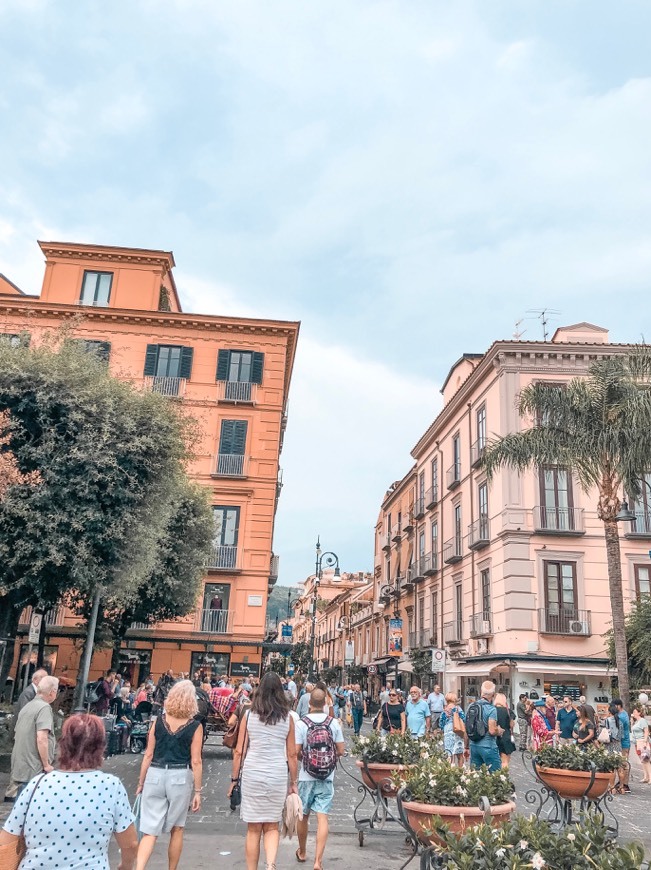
<point>319,744</point>
<point>482,729</point>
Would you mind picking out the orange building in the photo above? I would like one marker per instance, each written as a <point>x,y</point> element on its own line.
<point>232,375</point>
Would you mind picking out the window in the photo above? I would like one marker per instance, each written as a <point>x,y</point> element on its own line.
<point>556,510</point>
<point>481,428</point>
<point>435,619</point>
<point>13,338</point>
<point>482,493</point>
<point>387,570</point>
<point>389,524</point>
<point>96,288</point>
<point>642,581</point>
<point>456,455</point>
<point>232,444</point>
<point>227,522</point>
<point>485,588</point>
<point>642,508</point>
<point>399,521</point>
<point>420,615</point>
<point>560,595</point>
<point>168,364</point>
<point>457,530</point>
<point>458,610</point>
<point>240,366</point>
<point>101,349</point>
<point>435,474</point>
<point>421,487</point>
<point>435,544</point>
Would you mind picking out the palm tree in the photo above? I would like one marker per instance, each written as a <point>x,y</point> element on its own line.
<point>600,427</point>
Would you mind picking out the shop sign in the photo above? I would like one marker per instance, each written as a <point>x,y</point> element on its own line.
<point>245,669</point>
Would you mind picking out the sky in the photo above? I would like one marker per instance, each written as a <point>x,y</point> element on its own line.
<point>408,179</point>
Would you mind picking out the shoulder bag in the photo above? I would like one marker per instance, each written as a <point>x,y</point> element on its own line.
<point>604,735</point>
<point>236,794</point>
<point>458,725</point>
<point>12,854</point>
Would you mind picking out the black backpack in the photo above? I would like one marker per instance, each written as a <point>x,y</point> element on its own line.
<point>476,727</point>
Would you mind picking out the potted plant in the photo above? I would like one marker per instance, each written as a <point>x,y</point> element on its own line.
<point>521,843</point>
<point>382,755</point>
<point>435,792</point>
<point>575,773</point>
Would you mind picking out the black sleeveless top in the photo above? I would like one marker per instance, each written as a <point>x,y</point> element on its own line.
<point>173,748</point>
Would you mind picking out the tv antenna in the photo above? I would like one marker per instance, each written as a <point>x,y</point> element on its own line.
<point>544,315</point>
<point>517,332</point>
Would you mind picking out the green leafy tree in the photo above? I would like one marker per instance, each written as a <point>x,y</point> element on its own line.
<point>600,427</point>
<point>638,643</point>
<point>300,657</point>
<point>109,459</point>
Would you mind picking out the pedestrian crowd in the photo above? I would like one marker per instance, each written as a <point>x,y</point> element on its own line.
<point>286,739</point>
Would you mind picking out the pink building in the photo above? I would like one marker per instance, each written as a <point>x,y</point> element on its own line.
<point>510,579</point>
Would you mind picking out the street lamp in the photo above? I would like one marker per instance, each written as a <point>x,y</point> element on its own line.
<point>626,515</point>
<point>328,560</point>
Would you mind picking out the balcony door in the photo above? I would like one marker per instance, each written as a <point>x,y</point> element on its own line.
<point>556,510</point>
<point>560,596</point>
<point>227,524</point>
<point>232,444</point>
<point>642,508</point>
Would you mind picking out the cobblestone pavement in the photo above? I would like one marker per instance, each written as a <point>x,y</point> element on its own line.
<point>382,850</point>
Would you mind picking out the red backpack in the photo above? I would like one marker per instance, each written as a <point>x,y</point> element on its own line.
<point>319,750</point>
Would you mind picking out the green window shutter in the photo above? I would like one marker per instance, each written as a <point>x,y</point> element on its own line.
<point>223,361</point>
<point>257,368</point>
<point>185,370</point>
<point>151,360</point>
<point>233,437</point>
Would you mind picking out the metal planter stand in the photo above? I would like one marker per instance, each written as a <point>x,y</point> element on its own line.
<point>559,811</point>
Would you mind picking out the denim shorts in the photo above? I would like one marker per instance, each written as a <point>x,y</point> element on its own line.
<point>316,795</point>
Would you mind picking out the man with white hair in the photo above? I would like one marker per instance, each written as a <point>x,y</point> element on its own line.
<point>33,751</point>
<point>29,693</point>
<point>482,729</point>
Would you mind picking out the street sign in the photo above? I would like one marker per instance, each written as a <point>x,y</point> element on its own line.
<point>438,660</point>
<point>286,631</point>
<point>372,669</point>
<point>35,627</point>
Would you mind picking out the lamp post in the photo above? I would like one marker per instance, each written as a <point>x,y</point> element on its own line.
<point>626,515</point>
<point>328,560</point>
<point>392,590</point>
<point>289,610</point>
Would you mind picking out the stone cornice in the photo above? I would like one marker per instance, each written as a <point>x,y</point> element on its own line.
<point>99,253</point>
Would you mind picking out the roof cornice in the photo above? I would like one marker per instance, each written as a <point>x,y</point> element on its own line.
<point>139,256</point>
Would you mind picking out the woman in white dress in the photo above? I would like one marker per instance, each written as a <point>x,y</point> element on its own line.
<point>265,751</point>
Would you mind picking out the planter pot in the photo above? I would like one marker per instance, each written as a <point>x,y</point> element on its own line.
<point>420,817</point>
<point>378,776</point>
<point>572,784</point>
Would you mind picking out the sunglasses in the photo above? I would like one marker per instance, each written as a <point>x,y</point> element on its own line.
<point>392,695</point>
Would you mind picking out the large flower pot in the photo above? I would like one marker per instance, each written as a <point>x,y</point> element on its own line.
<point>572,784</point>
<point>378,776</point>
<point>420,817</point>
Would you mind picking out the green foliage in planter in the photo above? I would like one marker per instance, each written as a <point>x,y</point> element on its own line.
<point>571,757</point>
<point>376,748</point>
<point>530,842</point>
<point>436,781</point>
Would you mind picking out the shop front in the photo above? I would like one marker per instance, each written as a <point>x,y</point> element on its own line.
<point>135,665</point>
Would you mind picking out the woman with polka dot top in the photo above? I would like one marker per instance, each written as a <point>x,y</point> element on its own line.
<point>69,815</point>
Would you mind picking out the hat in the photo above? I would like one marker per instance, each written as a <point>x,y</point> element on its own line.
<point>247,687</point>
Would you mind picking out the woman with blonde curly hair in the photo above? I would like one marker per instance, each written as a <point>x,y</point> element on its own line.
<point>171,769</point>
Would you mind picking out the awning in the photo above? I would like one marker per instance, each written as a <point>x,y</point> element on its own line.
<point>405,667</point>
<point>562,669</point>
<point>473,669</point>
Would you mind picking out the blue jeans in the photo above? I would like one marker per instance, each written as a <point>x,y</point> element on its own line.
<point>358,715</point>
<point>488,755</point>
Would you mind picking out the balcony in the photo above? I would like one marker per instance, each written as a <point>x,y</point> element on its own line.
<point>420,639</point>
<point>231,465</point>
<point>565,621</point>
<point>453,550</point>
<point>641,526</point>
<point>409,523</point>
<point>54,617</point>
<point>558,520</point>
<point>214,621</point>
<point>416,570</point>
<point>140,626</point>
<point>433,564</point>
<point>453,632</point>
<point>453,475</point>
<point>223,557</point>
<point>386,546</point>
<point>273,568</point>
<point>480,625</point>
<point>477,452</point>
<point>174,387</point>
<point>419,508</point>
<point>431,497</point>
<point>237,392</point>
<point>396,535</point>
<point>406,583</point>
<point>479,533</point>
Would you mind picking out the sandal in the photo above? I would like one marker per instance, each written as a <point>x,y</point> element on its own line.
<point>299,859</point>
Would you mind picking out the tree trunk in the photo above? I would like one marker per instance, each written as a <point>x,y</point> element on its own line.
<point>40,653</point>
<point>10,609</point>
<point>87,653</point>
<point>617,605</point>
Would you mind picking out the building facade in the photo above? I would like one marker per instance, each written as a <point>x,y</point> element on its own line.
<point>232,375</point>
<point>509,578</point>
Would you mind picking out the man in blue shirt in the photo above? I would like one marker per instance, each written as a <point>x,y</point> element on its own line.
<point>417,712</point>
<point>566,716</point>
<point>484,751</point>
<point>625,731</point>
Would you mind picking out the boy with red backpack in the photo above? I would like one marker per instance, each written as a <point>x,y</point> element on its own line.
<point>320,744</point>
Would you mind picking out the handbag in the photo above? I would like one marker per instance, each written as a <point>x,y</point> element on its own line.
<point>604,735</point>
<point>236,793</point>
<point>12,854</point>
<point>232,733</point>
<point>458,725</point>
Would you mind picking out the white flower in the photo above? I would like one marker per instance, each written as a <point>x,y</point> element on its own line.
<point>537,862</point>
<point>395,752</point>
<point>571,837</point>
<point>522,845</point>
<point>500,853</point>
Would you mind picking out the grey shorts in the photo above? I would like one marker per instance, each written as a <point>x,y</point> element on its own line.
<point>166,798</point>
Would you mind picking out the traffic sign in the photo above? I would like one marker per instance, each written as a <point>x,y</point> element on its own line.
<point>35,628</point>
<point>286,631</point>
<point>372,669</point>
<point>438,660</point>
